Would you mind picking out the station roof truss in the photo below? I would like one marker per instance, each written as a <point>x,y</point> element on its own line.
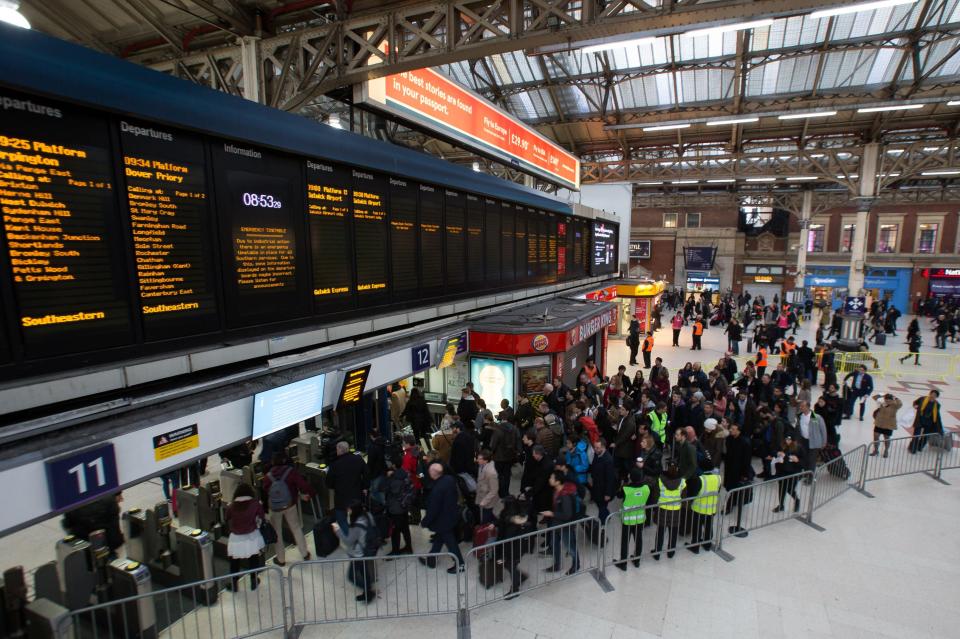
<point>595,75</point>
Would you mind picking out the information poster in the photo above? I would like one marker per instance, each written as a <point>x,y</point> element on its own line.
<point>403,239</point>
<point>331,243</point>
<point>370,235</point>
<point>533,379</point>
<point>493,379</point>
<point>59,228</point>
<point>169,221</point>
<point>259,195</point>
<point>431,241</point>
<point>456,246</point>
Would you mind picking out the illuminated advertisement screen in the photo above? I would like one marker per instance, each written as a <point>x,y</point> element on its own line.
<point>278,408</point>
<point>354,381</point>
<point>432,100</point>
<point>603,256</point>
<point>493,379</point>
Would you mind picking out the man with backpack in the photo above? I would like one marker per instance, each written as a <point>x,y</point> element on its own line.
<point>281,485</point>
<point>503,446</point>
<point>400,496</point>
<point>361,542</point>
<point>348,478</point>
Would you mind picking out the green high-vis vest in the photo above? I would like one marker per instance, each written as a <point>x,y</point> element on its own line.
<point>634,500</point>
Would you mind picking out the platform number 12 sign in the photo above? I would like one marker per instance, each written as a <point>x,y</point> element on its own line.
<point>79,476</point>
<point>421,357</point>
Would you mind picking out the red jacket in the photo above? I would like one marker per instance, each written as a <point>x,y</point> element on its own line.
<point>242,515</point>
<point>590,428</point>
<point>410,463</point>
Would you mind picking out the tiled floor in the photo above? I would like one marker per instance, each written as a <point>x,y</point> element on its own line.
<point>884,567</point>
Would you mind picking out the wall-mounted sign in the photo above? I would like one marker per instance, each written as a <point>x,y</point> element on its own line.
<point>606,294</point>
<point>454,346</point>
<point>699,258</point>
<point>541,342</point>
<point>432,100</point>
<point>420,358</point>
<point>176,442</point>
<point>354,381</point>
<point>855,305</point>
<point>639,249</point>
<point>763,279</point>
<point>287,405</point>
<point>77,477</point>
<point>591,326</point>
<point>941,272</point>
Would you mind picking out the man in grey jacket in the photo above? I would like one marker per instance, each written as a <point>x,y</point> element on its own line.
<point>813,434</point>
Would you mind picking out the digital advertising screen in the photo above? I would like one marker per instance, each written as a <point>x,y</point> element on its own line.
<point>456,238</point>
<point>431,241</point>
<point>170,226</point>
<point>370,235</point>
<point>603,255</point>
<point>284,406</point>
<point>331,242</point>
<point>259,196</point>
<point>475,244</point>
<point>403,239</point>
<point>493,379</point>
<point>62,242</point>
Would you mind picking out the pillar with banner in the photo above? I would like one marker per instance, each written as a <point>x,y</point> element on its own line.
<point>854,306</point>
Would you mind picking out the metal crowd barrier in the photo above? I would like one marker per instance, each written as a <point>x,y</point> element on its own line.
<point>834,478</point>
<point>904,456</point>
<point>188,611</point>
<point>950,459</point>
<point>519,564</point>
<point>326,591</point>
<point>756,506</point>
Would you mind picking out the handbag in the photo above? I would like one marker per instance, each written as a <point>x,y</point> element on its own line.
<point>268,532</point>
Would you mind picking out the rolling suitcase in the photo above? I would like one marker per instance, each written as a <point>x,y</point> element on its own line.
<point>880,339</point>
<point>491,572</point>
<point>749,344</point>
<point>325,541</point>
<point>837,469</point>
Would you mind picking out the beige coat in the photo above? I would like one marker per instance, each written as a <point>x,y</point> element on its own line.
<point>488,489</point>
<point>885,417</point>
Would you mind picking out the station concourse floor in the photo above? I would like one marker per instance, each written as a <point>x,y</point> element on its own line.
<point>884,567</point>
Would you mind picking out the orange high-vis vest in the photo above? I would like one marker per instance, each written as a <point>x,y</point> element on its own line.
<point>648,344</point>
<point>762,356</point>
<point>787,348</point>
<point>698,328</point>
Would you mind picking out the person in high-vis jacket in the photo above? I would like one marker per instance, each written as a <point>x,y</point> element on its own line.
<point>761,361</point>
<point>671,493</point>
<point>636,492</point>
<point>647,349</point>
<point>658,422</point>
<point>697,334</point>
<point>704,507</point>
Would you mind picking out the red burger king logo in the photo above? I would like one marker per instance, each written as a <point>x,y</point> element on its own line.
<point>541,342</point>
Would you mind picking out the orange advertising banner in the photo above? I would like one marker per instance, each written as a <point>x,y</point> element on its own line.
<point>427,97</point>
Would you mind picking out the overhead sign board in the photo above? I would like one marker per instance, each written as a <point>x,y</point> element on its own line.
<point>699,258</point>
<point>430,99</point>
<point>77,477</point>
<point>354,381</point>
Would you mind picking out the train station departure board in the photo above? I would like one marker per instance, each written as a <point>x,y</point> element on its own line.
<point>431,241</point>
<point>331,244</point>
<point>370,235</point>
<point>507,228</point>
<point>474,241</point>
<point>492,242</point>
<point>552,247</point>
<point>169,224</point>
<point>61,228</point>
<point>456,247</point>
<point>259,195</point>
<point>520,245</point>
<point>403,239</point>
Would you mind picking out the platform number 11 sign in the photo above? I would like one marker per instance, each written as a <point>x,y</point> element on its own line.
<point>79,476</point>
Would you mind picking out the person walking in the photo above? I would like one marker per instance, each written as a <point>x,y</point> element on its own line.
<point>884,422</point>
<point>813,436</point>
<point>362,542</point>
<point>676,323</point>
<point>788,467</point>
<point>636,493</point>
<point>697,334</point>
<point>913,341</point>
<point>861,385</point>
<point>441,517</point>
<point>401,497</point>
<point>348,478</point>
<point>567,508</point>
<point>281,485</point>
<point>245,544</point>
<point>927,421</point>
<point>488,487</point>
<point>647,349</point>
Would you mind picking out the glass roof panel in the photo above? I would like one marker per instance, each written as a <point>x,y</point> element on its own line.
<point>706,46</point>
<point>789,32</point>
<point>937,53</point>
<point>870,23</point>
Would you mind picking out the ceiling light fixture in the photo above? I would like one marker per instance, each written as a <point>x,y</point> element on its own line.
<point>723,181</point>
<point>665,127</point>
<point>734,121</point>
<point>10,13</point>
<point>649,183</point>
<point>953,103</point>
<point>892,107</point>
<point>727,28</point>
<point>943,172</point>
<point>684,181</point>
<point>476,166</point>
<point>606,46</point>
<point>800,116</point>
<point>853,8</point>
<point>763,179</point>
<point>801,178</point>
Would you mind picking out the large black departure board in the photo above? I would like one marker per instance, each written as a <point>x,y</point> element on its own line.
<point>507,228</point>
<point>551,247</point>
<point>370,235</point>
<point>403,239</point>
<point>492,242</point>
<point>331,243</point>
<point>520,244</point>
<point>533,244</point>
<point>61,227</point>
<point>603,254</point>
<point>431,241</point>
<point>475,245</point>
<point>455,246</point>
<point>579,242</point>
<point>262,235</point>
<point>170,227</point>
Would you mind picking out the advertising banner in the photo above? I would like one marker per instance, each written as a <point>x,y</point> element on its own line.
<point>493,379</point>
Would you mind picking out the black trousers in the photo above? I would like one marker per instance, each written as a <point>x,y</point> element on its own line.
<point>401,526</point>
<point>248,563</point>
<point>703,529</point>
<point>661,533</point>
<point>676,337</point>
<point>636,531</point>
<point>646,359</point>
<point>633,353</point>
<point>696,343</point>
<point>503,477</point>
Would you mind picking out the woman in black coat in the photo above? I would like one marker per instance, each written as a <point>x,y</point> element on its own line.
<point>418,414</point>
<point>514,522</point>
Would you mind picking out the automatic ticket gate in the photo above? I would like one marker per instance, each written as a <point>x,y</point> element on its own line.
<point>201,507</point>
<point>148,535</point>
<point>195,558</point>
<point>138,618</point>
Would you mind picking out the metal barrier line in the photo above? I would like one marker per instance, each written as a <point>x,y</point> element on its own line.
<point>950,456</point>
<point>489,565</point>
<point>904,456</point>
<point>832,479</point>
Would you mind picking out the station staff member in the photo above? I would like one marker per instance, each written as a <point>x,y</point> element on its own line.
<point>697,334</point>
<point>761,360</point>
<point>647,349</point>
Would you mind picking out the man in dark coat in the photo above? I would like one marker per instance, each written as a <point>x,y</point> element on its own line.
<point>737,471</point>
<point>540,493</point>
<point>463,452</point>
<point>604,484</point>
<point>467,409</point>
<point>523,417</point>
<point>441,517</point>
<point>349,479</point>
<point>625,443</point>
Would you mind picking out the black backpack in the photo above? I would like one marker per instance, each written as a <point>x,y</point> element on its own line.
<point>372,539</point>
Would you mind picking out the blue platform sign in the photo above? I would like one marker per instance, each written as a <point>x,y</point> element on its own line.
<point>77,477</point>
<point>855,305</point>
<point>421,357</point>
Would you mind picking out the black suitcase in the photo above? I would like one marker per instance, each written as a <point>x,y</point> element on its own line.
<point>490,571</point>
<point>880,339</point>
<point>325,541</point>
<point>837,469</point>
<point>749,344</point>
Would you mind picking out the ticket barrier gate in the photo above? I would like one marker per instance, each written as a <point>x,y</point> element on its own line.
<point>82,571</point>
<point>230,478</point>
<point>138,618</point>
<point>148,536</point>
<point>20,617</point>
<point>202,507</point>
<point>195,561</point>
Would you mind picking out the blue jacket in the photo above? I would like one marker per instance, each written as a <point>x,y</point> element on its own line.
<point>867,386</point>
<point>442,510</point>
<point>579,462</point>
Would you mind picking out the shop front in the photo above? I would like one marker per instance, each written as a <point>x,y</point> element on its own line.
<point>762,280</point>
<point>829,285</point>
<point>944,282</point>
<point>520,350</point>
<point>637,298</point>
